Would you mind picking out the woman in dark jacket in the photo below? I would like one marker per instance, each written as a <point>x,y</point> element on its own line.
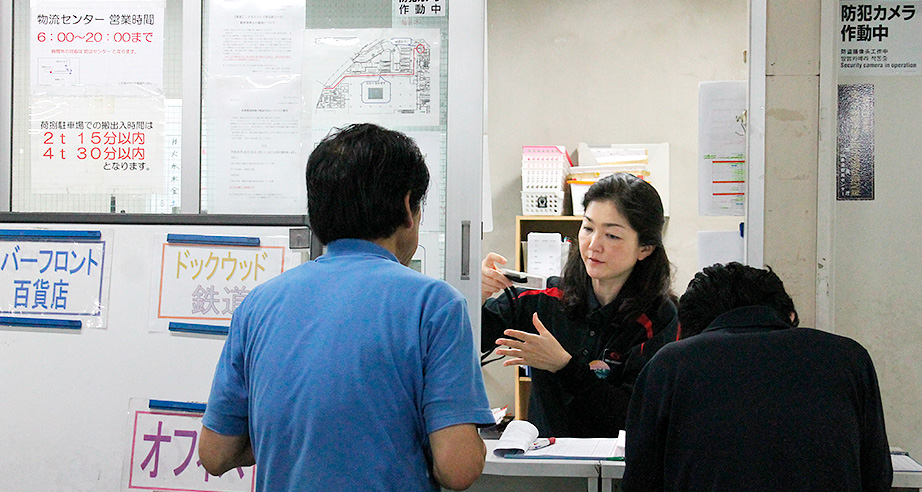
<point>588,334</point>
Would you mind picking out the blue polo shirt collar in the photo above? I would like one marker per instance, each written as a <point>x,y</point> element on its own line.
<point>343,247</point>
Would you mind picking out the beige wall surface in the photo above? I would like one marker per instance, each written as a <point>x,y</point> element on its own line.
<point>877,270</point>
<point>791,133</point>
<point>874,289</point>
<point>603,72</point>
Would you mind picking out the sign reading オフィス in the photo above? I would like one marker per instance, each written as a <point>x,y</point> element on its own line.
<point>163,455</point>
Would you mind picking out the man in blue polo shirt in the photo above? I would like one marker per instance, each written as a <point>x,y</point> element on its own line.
<point>352,372</point>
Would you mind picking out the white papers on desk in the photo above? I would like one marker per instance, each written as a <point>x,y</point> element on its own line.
<point>902,462</point>
<point>544,254</point>
<point>568,448</point>
<point>516,441</point>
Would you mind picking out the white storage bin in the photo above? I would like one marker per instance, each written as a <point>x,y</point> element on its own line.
<point>543,179</point>
<point>542,202</point>
<point>545,157</point>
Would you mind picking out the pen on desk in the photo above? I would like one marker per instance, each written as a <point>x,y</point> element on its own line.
<point>542,443</point>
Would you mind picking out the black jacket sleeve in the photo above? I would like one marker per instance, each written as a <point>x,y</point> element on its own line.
<point>876,467</point>
<point>647,427</point>
<point>496,315</point>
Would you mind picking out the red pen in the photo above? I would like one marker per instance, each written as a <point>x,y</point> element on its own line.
<point>542,443</point>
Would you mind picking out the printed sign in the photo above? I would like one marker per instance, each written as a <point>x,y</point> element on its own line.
<point>53,278</point>
<point>420,8</point>
<point>164,456</point>
<point>855,143</point>
<point>208,282</point>
<point>114,44</point>
<point>97,145</point>
<point>879,37</point>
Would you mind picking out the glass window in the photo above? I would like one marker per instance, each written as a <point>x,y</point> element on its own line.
<point>97,106</point>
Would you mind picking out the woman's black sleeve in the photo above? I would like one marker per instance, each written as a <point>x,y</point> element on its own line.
<point>496,315</point>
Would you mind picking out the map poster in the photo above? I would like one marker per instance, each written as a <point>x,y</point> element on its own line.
<point>385,76</point>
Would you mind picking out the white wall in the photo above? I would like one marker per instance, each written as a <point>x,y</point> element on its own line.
<point>65,396</point>
<point>604,71</point>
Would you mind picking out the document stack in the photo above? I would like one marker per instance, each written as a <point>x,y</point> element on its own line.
<point>598,161</point>
<point>544,172</point>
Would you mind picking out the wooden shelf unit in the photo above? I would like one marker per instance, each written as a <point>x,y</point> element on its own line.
<point>567,226</point>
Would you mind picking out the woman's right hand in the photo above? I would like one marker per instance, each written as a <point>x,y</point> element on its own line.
<point>491,279</point>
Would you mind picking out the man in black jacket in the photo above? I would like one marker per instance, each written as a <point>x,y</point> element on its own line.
<point>747,401</point>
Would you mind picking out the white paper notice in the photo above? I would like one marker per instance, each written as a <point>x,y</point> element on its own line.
<point>102,47</point>
<point>97,145</point>
<point>544,252</point>
<point>384,76</point>
<point>254,37</point>
<point>879,37</point>
<point>719,247</point>
<point>430,144</point>
<point>721,148</point>
<point>256,148</point>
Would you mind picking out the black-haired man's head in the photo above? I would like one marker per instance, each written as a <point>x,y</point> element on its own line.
<point>721,288</point>
<point>358,182</point>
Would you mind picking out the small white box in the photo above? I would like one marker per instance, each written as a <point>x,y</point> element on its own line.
<point>578,189</point>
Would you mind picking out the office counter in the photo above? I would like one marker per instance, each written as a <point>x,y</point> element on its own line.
<point>904,481</point>
<point>520,475</point>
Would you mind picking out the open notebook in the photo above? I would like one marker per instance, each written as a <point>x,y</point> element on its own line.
<point>520,435</point>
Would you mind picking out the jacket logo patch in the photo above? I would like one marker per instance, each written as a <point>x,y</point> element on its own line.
<point>612,358</point>
<point>600,368</point>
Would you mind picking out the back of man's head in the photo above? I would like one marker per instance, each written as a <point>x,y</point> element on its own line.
<point>357,179</point>
<point>721,288</point>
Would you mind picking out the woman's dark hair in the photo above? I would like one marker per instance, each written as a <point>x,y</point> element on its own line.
<point>721,288</point>
<point>649,283</point>
<point>357,179</point>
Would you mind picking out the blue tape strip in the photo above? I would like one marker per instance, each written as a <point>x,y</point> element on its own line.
<point>219,240</point>
<point>70,324</point>
<point>49,235</point>
<point>181,406</point>
<point>196,328</point>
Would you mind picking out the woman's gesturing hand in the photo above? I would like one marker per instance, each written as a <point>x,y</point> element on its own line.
<point>541,350</point>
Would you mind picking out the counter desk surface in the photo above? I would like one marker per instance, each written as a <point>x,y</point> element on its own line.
<point>601,474</point>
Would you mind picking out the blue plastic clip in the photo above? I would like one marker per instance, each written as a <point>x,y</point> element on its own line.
<point>179,406</point>
<point>197,328</point>
<point>217,240</point>
<point>68,324</point>
<point>49,235</point>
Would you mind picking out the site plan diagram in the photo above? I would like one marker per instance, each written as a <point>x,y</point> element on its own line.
<point>385,76</point>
